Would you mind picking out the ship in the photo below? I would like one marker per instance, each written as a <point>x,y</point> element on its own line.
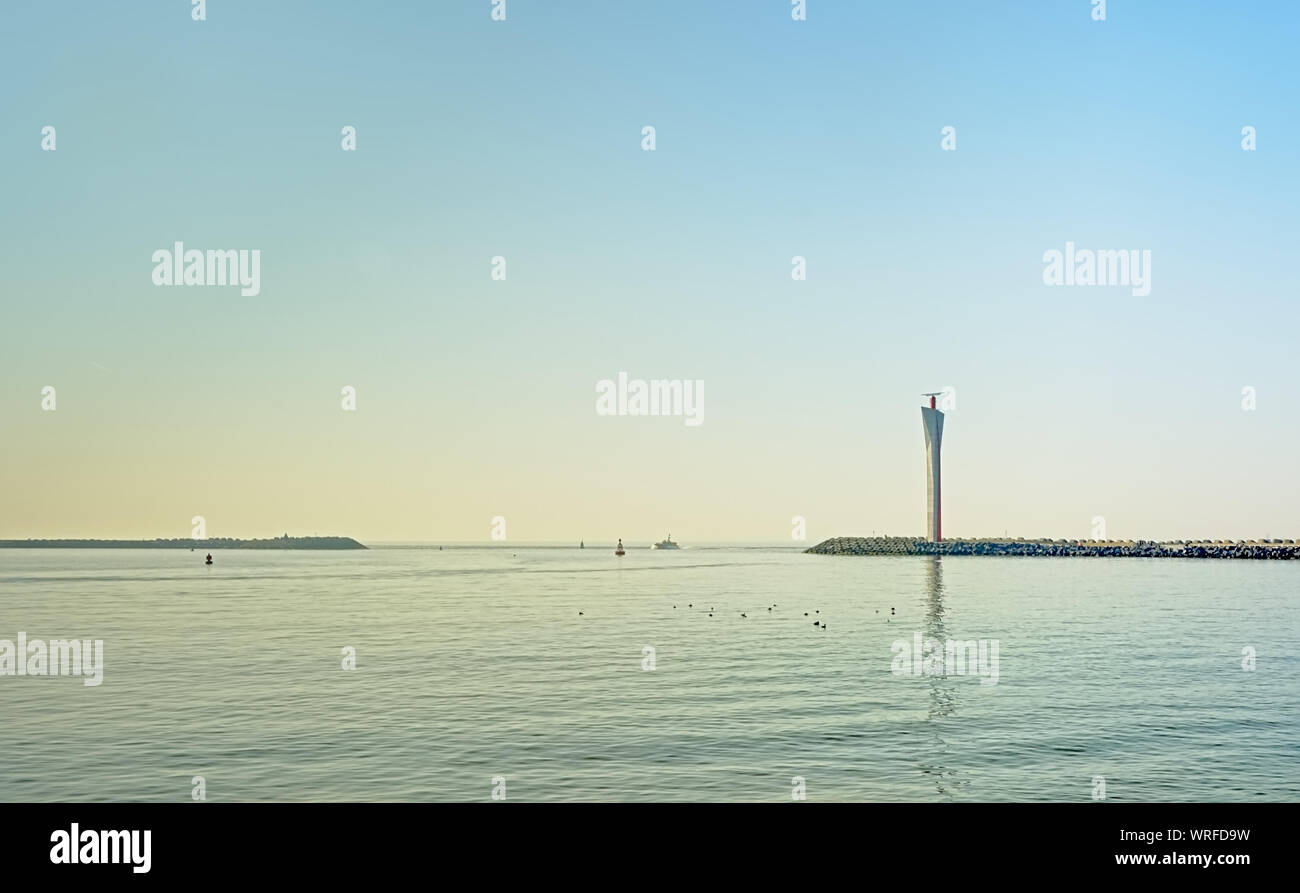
<point>666,544</point>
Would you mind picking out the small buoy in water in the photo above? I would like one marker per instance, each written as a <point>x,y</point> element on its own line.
<point>209,559</point>
<point>816,623</point>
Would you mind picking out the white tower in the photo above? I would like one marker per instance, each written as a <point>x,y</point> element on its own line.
<point>932,421</point>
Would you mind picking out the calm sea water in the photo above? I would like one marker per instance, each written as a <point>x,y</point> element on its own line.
<point>474,663</point>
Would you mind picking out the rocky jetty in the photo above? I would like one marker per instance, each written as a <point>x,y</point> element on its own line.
<point>902,545</point>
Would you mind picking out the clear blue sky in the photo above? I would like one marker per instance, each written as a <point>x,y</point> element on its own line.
<point>523,139</point>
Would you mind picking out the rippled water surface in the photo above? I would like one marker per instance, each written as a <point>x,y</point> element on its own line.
<point>475,662</point>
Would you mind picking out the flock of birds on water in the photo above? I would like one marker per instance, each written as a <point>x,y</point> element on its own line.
<point>820,624</point>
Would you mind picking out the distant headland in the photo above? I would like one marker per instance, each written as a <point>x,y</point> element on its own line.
<point>902,545</point>
<point>284,542</point>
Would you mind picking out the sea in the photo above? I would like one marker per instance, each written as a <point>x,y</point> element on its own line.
<point>712,673</point>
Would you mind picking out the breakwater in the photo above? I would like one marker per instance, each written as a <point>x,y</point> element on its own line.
<point>902,545</point>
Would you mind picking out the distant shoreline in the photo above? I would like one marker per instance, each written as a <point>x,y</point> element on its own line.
<point>900,545</point>
<point>284,542</point>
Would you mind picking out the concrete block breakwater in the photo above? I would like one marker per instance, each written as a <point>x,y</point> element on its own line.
<point>901,545</point>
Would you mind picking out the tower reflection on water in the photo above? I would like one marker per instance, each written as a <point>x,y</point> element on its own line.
<point>935,762</point>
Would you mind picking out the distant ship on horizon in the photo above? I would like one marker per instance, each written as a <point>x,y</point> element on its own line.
<point>666,544</point>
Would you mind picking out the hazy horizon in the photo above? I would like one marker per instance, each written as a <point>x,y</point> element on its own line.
<point>476,398</point>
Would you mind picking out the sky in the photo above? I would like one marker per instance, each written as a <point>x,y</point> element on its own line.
<point>523,139</point>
